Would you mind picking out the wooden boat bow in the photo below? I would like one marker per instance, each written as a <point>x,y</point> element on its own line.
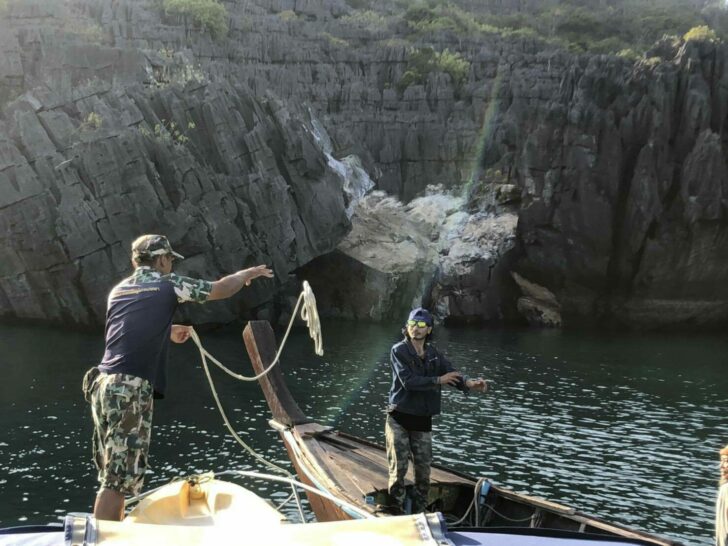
<point>355,470</point>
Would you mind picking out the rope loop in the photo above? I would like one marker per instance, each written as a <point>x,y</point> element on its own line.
<point>309,313</point>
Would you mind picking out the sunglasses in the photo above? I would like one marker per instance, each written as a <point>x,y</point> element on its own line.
<point>418,323</point>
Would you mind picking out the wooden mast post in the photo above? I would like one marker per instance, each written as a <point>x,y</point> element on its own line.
<point>261,345</point>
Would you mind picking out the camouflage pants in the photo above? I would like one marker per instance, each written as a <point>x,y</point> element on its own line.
<point>121,406</point>
<point>401,443</point>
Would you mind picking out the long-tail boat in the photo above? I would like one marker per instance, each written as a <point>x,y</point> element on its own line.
<point>355,470</point>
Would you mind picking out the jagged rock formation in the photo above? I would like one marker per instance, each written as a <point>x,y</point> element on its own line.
<point>623,178</point>
<point>307,52</point>
<point>112,76</point>
<point>429,251</point>
<point>232,179</point>
<point>616,171</point>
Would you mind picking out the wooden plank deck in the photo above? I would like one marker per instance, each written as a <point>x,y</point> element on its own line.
<point>365,467</point>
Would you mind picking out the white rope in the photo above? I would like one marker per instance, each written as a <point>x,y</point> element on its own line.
<point>251,474</point>
<point>227,421</point>
<point>309,313</point>
<point>340,503</point>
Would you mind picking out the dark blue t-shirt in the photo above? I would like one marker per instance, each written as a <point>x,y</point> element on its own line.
<point>139,321</point>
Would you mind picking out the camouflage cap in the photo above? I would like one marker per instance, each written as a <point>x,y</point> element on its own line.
<point>148,246</point>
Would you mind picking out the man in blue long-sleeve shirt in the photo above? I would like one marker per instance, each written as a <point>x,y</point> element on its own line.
<point>418,373</point>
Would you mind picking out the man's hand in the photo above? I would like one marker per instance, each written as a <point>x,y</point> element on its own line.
<point>254,272</point>
<point>179,333</point>
<point>477,385</point>
<point>450,378</point>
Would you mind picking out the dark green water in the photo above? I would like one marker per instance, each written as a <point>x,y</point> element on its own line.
<point>621,426</point>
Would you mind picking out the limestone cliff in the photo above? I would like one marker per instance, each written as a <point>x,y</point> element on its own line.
<point>623,180</point>
<point>108,142</point>
<point>119,117</point>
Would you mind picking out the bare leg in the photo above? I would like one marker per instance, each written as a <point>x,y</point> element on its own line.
<point>109,505</point>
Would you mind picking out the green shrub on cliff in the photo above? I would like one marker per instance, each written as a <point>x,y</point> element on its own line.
<point>208,14</point>
<point>613,26</point>
<point>426,18</point>
<point>168,132</point>
<point>454,65</point>
<point>628,53</point>
<point>91,122</point>
<point>334,41</point>
<point>367,19</point>
<point>423,61</point>
<point>288,15</point>
<point>702,33</point>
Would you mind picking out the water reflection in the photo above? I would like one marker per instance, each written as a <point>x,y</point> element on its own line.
<point>622,426</point>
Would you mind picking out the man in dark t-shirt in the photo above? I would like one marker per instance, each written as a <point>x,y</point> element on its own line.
<point>133,370</point>
<point>418,373</point>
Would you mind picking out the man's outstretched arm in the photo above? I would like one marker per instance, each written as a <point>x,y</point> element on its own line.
<point>231,284</point>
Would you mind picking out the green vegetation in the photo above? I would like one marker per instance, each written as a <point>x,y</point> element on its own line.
<point>702,33</point>
<point>91,122</point>
<point>368,19</point>
<point>423,61</point>
<point>288,15</point>
<point>626,27</point>
<point>394,43</point>
<point>424,18</point>
<point>651,62</point>
<point>168,132</point>
<point>335,41</point>
<point>209,14</point>
<point>628,53</point>
<point>175,70</point>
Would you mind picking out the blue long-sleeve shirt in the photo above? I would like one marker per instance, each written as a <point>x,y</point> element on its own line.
<point>414,380</point>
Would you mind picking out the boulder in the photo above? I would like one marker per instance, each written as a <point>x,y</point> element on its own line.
<point>427,252</point>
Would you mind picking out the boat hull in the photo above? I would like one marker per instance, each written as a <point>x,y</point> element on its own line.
<point>356,470</point>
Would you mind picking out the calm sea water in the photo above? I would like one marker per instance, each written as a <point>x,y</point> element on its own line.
<point>621,426</point>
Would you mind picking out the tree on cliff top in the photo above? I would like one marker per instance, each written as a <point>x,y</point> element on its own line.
<point>701,33</point>
<point>208,14</point>
<point>422,62</point>
<point>604,26</point>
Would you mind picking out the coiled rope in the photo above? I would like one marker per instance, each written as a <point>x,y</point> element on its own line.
<point>309,313</point>
<point>475,508</point>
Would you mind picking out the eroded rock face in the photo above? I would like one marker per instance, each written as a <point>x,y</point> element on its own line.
<point>308,53</point>
<point>623,178</point>
<point>618,170</point>
<point>232,181</point>
<point>537,304</point>
<point>427,252</point>
<point>90,158</point>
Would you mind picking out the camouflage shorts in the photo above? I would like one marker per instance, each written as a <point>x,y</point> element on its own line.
<point>122,411</point>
